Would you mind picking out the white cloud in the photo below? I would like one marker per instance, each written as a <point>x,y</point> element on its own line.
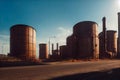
<point>62,34</point>
<point>4,37</point>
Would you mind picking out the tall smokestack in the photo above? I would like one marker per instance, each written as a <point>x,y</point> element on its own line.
<point>104,35</point>
<point>52,48</point>
<point>119,34</point>
<point>57,47</point>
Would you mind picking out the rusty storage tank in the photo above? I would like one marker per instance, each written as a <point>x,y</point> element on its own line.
<point>87,41</point>
<point>101,46</point>
<point>43,51</point>
<point>23,41</point>
<point>63,51</point>
<point>112,42</point>
<point>71,46</point>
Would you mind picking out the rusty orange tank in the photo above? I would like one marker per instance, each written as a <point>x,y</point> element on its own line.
<point>23,41</point>
<point>84,42</point>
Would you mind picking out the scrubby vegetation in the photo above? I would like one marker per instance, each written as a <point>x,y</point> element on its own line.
<point>6,61</point>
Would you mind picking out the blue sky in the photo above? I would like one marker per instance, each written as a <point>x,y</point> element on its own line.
<point>54,17</point>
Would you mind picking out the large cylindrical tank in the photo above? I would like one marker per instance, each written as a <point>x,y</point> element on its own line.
<point>71,46</point>
<point>112,41</point>
<point>23,41</point>
<point>43,51</point>
<point>101,45</point>
<point>87,39</point>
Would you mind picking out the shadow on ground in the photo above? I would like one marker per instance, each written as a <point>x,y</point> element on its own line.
<point>113,74</point>
<point>19,63</point>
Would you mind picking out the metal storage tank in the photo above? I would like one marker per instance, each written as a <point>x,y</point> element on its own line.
<point>63,51</point>
<point>23,41</point>
<point>43,51</point>
<point>71,46</point>
<point>87,39</point>
<point>101,46</point>
<point>112,42</point>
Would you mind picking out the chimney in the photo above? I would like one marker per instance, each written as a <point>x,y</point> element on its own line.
<point>57,47</point>
<point>118,43</point>
<point>52,48</point>
<point>104,35</point>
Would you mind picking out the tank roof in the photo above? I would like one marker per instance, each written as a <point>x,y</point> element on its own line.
<point>111,31</point>
<point>101,33</point>
<point>22,25</point>
<point>86,22</point>
<point>108,31</point>
<point>63,45</point>
<point>42,44</point>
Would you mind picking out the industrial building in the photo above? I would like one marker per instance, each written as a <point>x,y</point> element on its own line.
<point>55,52</point>
<point>111,44</point>
<point>23,42</point>
<point>43,51</point>
<point>84,42</point>
<point>107,42</point>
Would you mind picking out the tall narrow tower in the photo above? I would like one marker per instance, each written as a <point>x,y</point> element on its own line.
<point>52,48</point>
<point>119,34</point>
<point>104,35</point>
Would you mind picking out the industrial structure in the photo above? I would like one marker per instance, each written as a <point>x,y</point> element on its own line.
<point>84,42</point>
<point>23,42</point>
<point>43,51</point>
<point>103,41</point>
<point>118,44</point>
<point>63,52</point>
<point>111,44</point>
<point>107,42</point>
<point>104,36</point>
<point>55,52</point>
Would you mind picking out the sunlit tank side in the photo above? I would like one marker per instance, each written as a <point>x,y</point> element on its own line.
<point>23,41</point>
<point>112,42</point>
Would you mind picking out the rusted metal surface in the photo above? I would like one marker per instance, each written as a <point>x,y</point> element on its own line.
<point>111,43</point>
<point>23,42</point>
<point>71,46</point>
<point>84,41</point>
